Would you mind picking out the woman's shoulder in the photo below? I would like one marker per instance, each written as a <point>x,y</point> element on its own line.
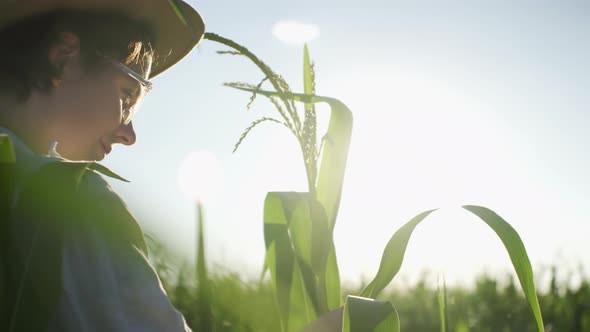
<point>80,179</point>
<point>70,192</point>
<point>79,194</point>
<point>106,207</point>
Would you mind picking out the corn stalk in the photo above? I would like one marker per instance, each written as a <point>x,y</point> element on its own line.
<point>299,226</point>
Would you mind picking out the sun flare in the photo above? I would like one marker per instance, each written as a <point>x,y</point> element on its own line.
<point>200,176</point>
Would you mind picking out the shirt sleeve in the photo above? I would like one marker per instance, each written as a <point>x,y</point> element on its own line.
<point>110,287</point>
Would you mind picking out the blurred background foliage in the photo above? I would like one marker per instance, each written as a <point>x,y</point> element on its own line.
<point>492,304</point>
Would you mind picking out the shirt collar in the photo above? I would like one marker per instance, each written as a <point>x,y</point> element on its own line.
<point>28,161</point>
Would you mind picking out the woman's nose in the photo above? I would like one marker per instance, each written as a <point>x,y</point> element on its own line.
<point>126,134</point>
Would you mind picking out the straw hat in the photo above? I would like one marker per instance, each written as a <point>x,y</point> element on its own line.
<point>174,39</point>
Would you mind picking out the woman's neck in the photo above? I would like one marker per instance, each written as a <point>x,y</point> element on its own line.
<point>26,122</point>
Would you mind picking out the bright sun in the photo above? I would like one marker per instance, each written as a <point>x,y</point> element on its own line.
<point>200,176</point>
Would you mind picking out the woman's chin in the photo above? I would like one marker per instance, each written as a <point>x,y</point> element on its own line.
<point>94,155</point>
<point>100,155</point>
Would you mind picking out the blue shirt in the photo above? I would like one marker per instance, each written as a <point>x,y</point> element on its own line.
<point>104,287</point>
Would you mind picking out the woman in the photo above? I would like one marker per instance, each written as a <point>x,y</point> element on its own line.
<point>72,75</point>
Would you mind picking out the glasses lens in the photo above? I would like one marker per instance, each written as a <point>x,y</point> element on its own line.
<point>132,103</point>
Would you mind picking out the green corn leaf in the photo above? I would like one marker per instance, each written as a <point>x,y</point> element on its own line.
<point>301,230</point>
<point>280,258</point>
<point>394,253</point>
<point>442,306</point>
<point>321,237</point>
<point>302,310</point>
<point>105,171</point>
<point>6,150</point>
<point>263,272</point>
<point>7,179</point>
<point>393,256</point>
<point>204,288</point>
<point>201,265</point>
<point>295,306</point>
<point>323,260</point>
<point>310,234</point>
<point>518,256</point>
<point>332,281</point>
<point>369,315</point>
<point>311,237</point>
<point>333,162</point>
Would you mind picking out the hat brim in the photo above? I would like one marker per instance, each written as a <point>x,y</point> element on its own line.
<point>174,38</point>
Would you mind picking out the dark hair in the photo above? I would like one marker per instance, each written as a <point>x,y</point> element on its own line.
<point>24,62</point>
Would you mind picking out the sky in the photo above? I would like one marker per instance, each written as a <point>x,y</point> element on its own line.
<point>454,103</point>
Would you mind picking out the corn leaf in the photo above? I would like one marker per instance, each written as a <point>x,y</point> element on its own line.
<point>7,170</point>
<point>6,150</point>
<point>310,234</point>
<point>295,306</point>
<point>201,265</point>
<point>393,256</point>
<point>322,258</point>
<point>105,171</point>
<point>518,256</point>
<point>263,272</point>
<point>369,315</point>
<point>301,230</point>
<point>332,281</point>
<point>394,253</point>
<point>203,285</point>
<point>442,306</point>
<point>312,241</point>
<point>321,237</point>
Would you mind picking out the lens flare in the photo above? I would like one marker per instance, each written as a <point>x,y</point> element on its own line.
<point>200,176</point>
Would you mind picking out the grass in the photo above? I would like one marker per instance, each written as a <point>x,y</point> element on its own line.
<point>492,304</point>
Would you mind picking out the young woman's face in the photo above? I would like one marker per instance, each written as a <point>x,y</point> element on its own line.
<point>87,118</point>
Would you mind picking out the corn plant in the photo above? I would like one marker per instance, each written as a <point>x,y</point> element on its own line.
<point>441,295</point>
<point>7,169</point>
<point>299,226</point>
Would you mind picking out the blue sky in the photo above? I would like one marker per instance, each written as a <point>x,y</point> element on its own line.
<point>454,102</point>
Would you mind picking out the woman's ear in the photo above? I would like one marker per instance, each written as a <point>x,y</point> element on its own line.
<point>64,55</point>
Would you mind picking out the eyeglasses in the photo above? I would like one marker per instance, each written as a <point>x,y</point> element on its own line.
<point>132,101</point>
